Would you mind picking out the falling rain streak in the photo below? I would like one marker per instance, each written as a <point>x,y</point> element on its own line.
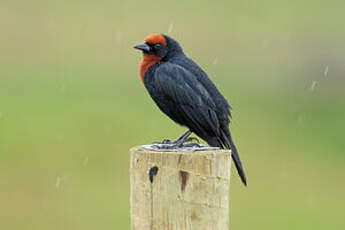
<point>86,161</point>
<point>313,85</point>
<point>171,27</point>
<point>326,71</point>
<point>58,182</point>
<point>215,61</point>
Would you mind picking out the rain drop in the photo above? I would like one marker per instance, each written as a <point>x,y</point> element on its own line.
<point>171,27</point>
<point>326,71</point>
<point>108,130</point>
<point>301,118</point>
<point>313,85</point>
<point>119,36</point>
<point>215,61</point>
<point>60,138</point>
<point>86,160</point>
<point>58,182</point>
<point>265,43</point>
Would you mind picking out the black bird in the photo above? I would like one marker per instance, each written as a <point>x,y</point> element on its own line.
<point>183,91</point>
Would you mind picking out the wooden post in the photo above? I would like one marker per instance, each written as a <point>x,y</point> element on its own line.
<point>181,190</point>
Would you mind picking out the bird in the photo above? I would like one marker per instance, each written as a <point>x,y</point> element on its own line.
<point>185,93</point>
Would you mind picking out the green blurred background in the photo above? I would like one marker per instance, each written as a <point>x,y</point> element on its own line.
<point>72,105</point>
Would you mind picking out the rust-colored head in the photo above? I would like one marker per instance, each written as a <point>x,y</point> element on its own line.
<point>156,39</point>
<point>154,49</point>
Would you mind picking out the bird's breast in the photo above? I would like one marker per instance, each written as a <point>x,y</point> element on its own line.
<point>147,61</point>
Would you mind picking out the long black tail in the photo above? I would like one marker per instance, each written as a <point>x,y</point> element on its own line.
<point>226,136</point>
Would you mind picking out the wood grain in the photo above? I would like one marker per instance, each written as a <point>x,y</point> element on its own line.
<point>186,190</point>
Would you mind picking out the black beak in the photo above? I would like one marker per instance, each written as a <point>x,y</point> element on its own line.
<point>143,46</point>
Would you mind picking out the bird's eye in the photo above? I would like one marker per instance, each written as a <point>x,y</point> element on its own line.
<point>157,46</point>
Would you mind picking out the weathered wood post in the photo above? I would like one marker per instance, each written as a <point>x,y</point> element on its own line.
<point>180,190</point>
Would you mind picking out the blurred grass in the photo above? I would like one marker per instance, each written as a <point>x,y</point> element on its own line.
<point>72,104</point>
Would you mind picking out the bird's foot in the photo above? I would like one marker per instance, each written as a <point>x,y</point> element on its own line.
<point>179,143</point>
<point>191,145</point>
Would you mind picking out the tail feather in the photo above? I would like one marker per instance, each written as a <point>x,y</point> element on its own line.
<point>236,158</point>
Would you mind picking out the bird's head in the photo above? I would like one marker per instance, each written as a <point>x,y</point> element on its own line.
<point>157,48</point>
<point>160,46</point>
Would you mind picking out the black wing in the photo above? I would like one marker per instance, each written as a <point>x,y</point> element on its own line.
<point>223,107</point>
<point>180,95</point>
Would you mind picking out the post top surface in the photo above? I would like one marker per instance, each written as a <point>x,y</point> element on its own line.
<point>204,149</point>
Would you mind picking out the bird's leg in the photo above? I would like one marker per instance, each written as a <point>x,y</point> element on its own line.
<point>167,144</point>
<point>181,139</point>
<point>190,139</point>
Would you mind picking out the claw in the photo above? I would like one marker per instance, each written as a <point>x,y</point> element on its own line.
<point>167,141</point>
<point>192,145</point>
<point>165,146</point>
<point>179,143</point>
